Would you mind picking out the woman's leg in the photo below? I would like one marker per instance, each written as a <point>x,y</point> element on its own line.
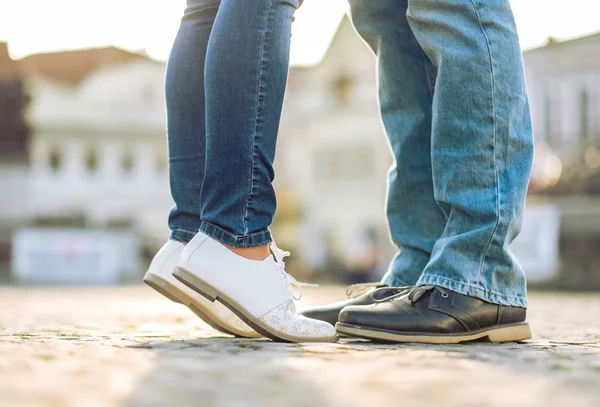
<point>186,124</point>
<point>187,143</point>
<point>481,146</point>
<point>245,78</point>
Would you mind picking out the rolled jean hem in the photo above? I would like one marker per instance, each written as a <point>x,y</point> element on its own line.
<point>182,235</point>
<point>253,240</point>
<point>474,291</point>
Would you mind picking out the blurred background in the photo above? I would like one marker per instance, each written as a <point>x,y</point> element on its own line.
<point>84,191</point>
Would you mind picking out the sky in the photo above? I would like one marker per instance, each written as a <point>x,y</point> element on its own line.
<point>31,26</point>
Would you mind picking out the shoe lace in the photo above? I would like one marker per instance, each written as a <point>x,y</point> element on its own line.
<point>279,256</point>
<point>419,291</point>
<point>401,291</point>
<point>355,290</point>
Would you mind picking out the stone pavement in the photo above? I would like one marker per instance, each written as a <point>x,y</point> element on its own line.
<point>128,346</point>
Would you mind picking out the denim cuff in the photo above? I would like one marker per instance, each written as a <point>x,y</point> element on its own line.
<point>474,291</point>
<point>182,235</point>
<point>253,240</point>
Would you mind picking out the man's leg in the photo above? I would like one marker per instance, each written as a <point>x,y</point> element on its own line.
<point>482,148</point>
<point>406,81</point>
<point>482,145</point>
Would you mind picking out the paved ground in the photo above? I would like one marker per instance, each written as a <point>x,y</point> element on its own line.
<point>129,347</point>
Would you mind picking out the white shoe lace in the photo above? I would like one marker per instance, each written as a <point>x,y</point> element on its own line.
<point>279,256</point>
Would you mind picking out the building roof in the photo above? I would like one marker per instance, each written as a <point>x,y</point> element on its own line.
<point>71,67</point>
<point>554,43</point>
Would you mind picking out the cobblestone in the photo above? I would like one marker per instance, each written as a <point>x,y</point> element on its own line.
<point>128,346</point>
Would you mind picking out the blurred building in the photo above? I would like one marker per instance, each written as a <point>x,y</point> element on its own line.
<point>98,149</point>
<point>564,90</point>
<point>333,157</point>
<point>14,164</point>
<point>95,155</point>
<point>98,146</point>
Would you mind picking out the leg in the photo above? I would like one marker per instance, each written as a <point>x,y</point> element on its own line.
<point>186,117</point>
<point>472,288</point>
<point>482,145</point>
<point>187,141</point>
<point>406,83</point>
<point>246,74</point>
<point>245,77</point>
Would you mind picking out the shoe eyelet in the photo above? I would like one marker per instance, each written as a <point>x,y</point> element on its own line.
<point>444,295</point>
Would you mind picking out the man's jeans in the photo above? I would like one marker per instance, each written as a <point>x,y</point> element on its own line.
<point>225,83</point>
<point>454,105</point>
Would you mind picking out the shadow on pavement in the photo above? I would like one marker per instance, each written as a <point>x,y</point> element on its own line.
<point>560,366</point>
<point>226,372</point>
<point>237,372</point>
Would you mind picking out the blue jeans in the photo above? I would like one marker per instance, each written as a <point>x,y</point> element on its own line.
<point>453,102</point>
<point>454,105</point>
<point>225,84</point>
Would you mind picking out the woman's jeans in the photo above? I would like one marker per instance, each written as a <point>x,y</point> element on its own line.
<point>454,105</point>
<point>225,83</point>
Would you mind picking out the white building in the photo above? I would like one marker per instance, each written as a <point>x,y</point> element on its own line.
<point>99,149</point>
<point>564,89</point>
<point>333,155</point>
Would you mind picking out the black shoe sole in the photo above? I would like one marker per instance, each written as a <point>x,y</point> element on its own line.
<point>499,333</point>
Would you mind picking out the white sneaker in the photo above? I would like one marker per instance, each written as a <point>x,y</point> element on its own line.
<point>259,292</point>
<point>159,276</point>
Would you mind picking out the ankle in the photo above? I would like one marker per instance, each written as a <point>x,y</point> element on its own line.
<point>252,253</point>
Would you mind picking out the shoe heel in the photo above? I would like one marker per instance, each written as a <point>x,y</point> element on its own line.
<point>513,333</point>
<point>193,282</point>
<point>161,286</point>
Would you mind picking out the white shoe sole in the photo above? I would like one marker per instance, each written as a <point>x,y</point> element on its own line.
<point>212,294</point>
<point>506,333</point>
<point>174,294</point>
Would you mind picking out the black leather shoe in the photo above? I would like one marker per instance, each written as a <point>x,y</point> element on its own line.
<point>431,314</point>
<point>358,294</point>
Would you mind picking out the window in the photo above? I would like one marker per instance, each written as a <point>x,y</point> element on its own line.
<point>162,164</point>
<point>360,162</point>
<point>127,161</point>
<point>547,118</point>
<point>552,120</point>
<point>55,160</point>
<point>328,165</point>
<point>342,86</point>
<point>148,95</point>
<point>584,125</point>
<point>344,164</point>
<point>91,160</point>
